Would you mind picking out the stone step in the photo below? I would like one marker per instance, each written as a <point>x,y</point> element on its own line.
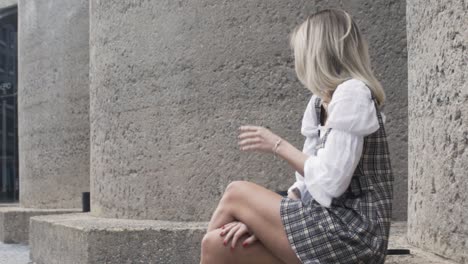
<point>17,253</point>
<point>417,256</point>
<point>14,221</point>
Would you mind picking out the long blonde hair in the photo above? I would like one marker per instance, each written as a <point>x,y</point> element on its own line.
<point>328,50</point>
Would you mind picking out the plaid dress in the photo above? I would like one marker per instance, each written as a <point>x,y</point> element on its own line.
<point>355,228</point>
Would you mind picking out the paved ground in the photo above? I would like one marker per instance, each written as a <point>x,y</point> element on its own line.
<point>14,254</point>
<point>19,254</point>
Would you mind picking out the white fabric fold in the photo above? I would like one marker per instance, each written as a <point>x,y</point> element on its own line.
<point>310,124</point>
<point>328,174</point>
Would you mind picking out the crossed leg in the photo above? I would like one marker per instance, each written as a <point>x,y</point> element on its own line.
<point>213,251</point>
<point>259,209</point>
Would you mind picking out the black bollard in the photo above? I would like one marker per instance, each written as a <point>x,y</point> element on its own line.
<point>398,252</point>
<point>85,201</point>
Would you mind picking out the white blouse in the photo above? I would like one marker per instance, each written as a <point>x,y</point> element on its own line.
<point>328,170</point>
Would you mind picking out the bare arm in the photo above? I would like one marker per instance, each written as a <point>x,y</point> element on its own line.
<point>292,155</point>
<point>257,138</point>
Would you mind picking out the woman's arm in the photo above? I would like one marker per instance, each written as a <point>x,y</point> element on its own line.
<point>310,130</point>
<point>292,155</point>
<point>262,139</point>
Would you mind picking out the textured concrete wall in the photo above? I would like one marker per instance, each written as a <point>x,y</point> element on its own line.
<point>171,81</point>
<point>438,127</point>
<point>53,102</point>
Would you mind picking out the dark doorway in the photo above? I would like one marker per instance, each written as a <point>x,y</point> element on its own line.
<point>9,180</point>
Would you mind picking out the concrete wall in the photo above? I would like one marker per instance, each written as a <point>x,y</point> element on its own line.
<point>171,81</point>
<point>53,102</point>
<point>438,114</point>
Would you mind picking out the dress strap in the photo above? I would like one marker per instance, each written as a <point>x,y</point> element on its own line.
<point>318,110</point>
<point>360,183</point>
<point>379,116</point>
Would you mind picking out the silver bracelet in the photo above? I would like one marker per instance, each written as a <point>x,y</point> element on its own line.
<point>275,148</point>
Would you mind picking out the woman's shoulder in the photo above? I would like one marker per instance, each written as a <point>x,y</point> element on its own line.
<point>352,108</point>
<point>352,88</point>
<point>359,90</point>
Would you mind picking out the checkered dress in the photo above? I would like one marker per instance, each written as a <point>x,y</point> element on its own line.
<point>356,226</point>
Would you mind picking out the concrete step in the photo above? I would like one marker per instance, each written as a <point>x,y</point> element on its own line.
<point>19,254</point>
<point>417,256</point>
<point>14,221</point>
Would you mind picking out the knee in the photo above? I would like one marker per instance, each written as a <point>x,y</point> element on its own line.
<point>208,247</point>
<point>234,191</point>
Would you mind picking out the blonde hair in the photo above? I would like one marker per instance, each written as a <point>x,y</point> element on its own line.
<point>328,50</point>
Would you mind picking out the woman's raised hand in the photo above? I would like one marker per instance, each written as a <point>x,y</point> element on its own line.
<point>257,138</point>
<point>235,230</point>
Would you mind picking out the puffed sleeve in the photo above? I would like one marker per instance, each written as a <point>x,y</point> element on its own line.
<point>352,109</point>
<point>309,129</point>
<point>352,115</point>
<point>329,173</point>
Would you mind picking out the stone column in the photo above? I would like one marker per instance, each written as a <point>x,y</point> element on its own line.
<point>53,116</point>
<point>438,127</point>
<point>170,83</point>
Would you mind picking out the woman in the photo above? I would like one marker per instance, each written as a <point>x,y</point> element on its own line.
<point>339,208</point>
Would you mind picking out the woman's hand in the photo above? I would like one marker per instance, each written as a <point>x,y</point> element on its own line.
<point>235,230</point>
<point>257,138</point>
<point>260,138</point>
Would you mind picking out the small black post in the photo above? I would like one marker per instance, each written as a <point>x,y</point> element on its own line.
<point>85,201</point>
<point>398,251</point>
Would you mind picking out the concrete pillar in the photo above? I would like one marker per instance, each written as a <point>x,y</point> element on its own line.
<point>53,102</point>
<point>170,83</point>
<point>438,114</point>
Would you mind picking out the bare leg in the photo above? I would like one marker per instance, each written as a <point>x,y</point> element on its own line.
<point>219,217</point>
<point>259,209</point>
<point>214,252</point>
